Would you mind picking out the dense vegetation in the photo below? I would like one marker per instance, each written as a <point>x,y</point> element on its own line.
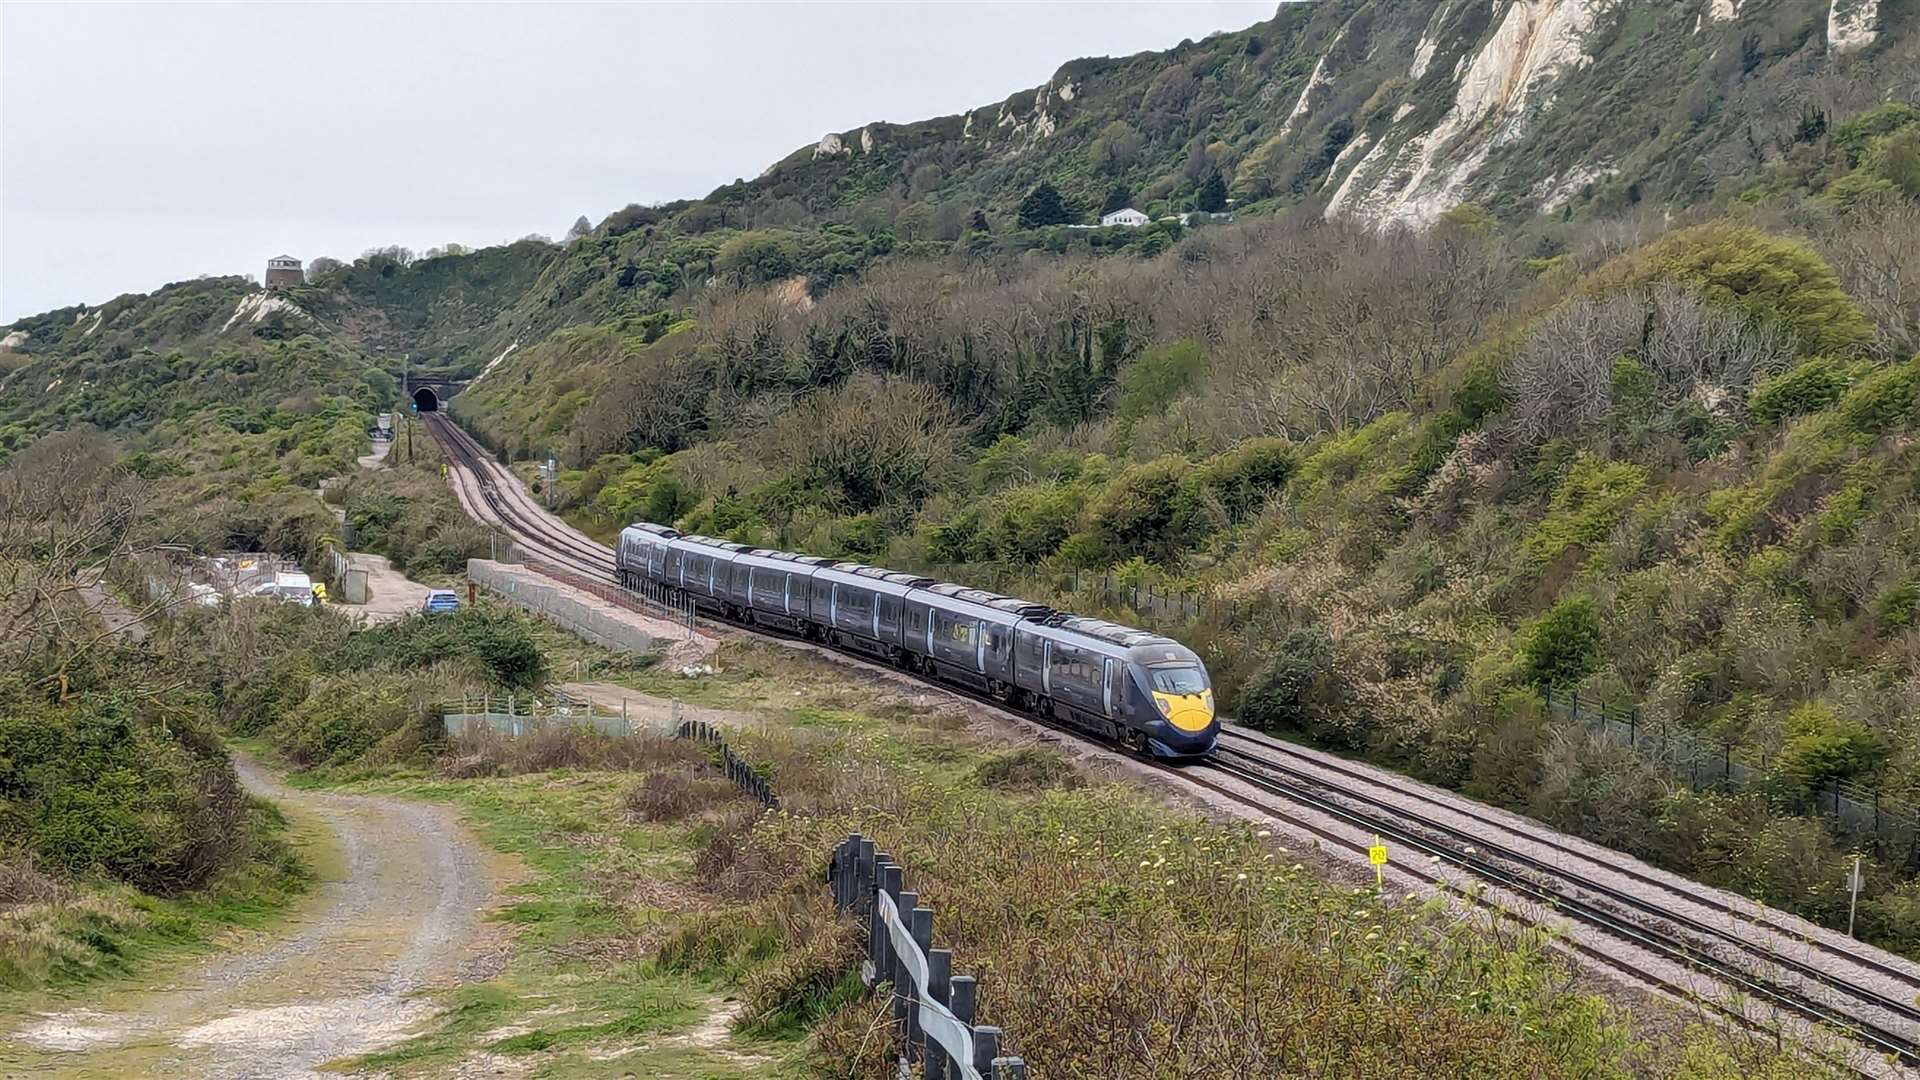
<point>1428,477</point>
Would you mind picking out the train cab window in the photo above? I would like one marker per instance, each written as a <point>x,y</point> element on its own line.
<point>1177,680</point>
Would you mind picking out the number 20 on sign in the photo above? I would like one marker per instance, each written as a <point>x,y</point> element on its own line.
<point>1377,855</point>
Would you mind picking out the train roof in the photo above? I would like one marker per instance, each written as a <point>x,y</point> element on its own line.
<point>881,573</point>
<point>657,530</point>
<point>1110,632</point>
<point>712,542</point>
<point>792,556</point>
<point>1025,609</point>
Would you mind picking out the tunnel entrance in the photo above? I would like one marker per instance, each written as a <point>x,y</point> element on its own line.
<point>425,400</point>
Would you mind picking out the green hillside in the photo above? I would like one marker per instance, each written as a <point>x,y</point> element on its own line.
<point>1556,346</point>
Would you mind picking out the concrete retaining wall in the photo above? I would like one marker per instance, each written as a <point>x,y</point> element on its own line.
<point>560,605</point>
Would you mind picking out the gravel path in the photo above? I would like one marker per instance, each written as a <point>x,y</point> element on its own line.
<point>401,912</point>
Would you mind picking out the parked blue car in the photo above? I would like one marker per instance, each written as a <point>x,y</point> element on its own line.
<point>440,600</point>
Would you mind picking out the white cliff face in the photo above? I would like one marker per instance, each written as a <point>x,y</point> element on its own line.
<point>830,146</point>
<point>1723,10</point>
<point>1314,82</point>
<point>1852,24</point>
<point>1417,178</point>
<point>14,340</point>
<point>257,306</point>
<point>866,140</point>
<point>1423,52</point>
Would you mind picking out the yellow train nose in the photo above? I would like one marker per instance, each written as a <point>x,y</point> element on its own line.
<point>1187,712</point>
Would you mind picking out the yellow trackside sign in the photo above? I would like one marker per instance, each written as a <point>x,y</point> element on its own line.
<point>1377,855</point>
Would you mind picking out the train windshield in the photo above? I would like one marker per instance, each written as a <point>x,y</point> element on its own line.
<point>1178,680</point>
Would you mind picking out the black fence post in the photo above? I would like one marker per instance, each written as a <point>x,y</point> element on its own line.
<point>904,903</point>
<point>863,880</point>
<point>986,1047</point>
<point>886,880</point>
<point>922,927</point>
<point>963,990</point>
<point>939,989</point>
<point>1633,725</point>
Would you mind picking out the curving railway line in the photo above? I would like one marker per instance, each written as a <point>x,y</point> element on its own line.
<point>1657,930</point>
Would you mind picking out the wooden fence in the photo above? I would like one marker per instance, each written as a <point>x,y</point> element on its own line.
<point>934,1007</point>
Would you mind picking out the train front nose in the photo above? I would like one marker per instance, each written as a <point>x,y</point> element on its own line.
<point>1189,726</point>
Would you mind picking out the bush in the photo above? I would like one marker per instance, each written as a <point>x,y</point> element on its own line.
<point>89,788</point>
<point>498,640</point>
<point>1299,689</point>
<point>1767,277</point>
<point>1586,505</point>
<point>1808,388</point>
<point>1882,399</point>
<point>1563,646</point>
<point>1821,746</point>
<point>1136,513</point>
<point>1030,768</point>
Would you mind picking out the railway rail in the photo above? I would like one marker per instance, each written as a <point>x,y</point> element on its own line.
<point>1808,990</point>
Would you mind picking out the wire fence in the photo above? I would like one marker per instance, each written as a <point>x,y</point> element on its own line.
<point>1157,606</point>
<point>743,775</point>
<point>1890,825</point>
<point>652,600</point>
<point>933,1007</point>
<point>520,715</point>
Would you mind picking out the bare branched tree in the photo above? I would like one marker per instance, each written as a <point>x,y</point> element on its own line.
<point>66,511</point>
<point>1562,380</point>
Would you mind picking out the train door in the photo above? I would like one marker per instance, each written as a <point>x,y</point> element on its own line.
<point>980,648</point>
<point>786,597</point>
<point>1046,667</point>
<point>1110,685</point>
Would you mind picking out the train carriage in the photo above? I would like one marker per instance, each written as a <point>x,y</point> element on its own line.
<point>966,635</point>
<point>702,567</point>
<point>774,588</point>
<point>862,607</point>
<point>641,554</point>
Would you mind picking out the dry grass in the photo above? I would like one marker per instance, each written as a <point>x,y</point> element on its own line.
<point>1114,938</point>
<point>557,746</point>
<point>681,794</point>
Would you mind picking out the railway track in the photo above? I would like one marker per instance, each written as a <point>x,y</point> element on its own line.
<point>1878,1021</point>
<point>1800,988</point>
<point>513,509</point>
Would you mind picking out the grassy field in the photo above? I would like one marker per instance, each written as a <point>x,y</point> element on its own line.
<point>667,928</point>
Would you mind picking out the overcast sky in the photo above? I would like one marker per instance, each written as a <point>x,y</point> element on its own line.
<point>142,144</point>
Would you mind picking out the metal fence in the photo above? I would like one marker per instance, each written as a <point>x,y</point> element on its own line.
<point>1154,605</point>
<point>654,601</point>
<point>517,716</point>
<point>1891,825</point>
<point>933,1006</point>
<point>744,776</point>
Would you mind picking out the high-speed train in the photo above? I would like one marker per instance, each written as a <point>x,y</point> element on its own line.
<point>1136,688</point>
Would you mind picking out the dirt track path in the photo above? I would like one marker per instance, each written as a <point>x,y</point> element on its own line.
<point>399,910</point>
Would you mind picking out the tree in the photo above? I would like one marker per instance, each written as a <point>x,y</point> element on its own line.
<point>1043,206</point>
<point>1119,197</point>
<point>1212,197</point>
<point>581,227</point>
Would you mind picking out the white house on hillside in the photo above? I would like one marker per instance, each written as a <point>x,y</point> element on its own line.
<point>1128,217</point>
